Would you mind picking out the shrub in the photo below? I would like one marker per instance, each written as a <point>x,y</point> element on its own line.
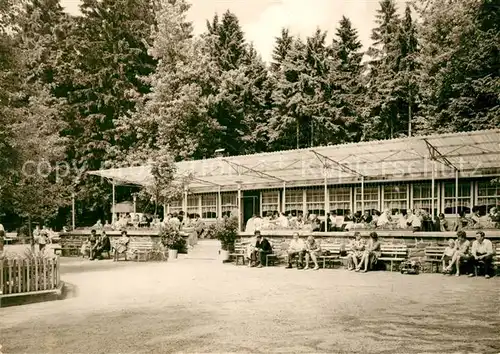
<point>226,231</point>
<point>172,239</point>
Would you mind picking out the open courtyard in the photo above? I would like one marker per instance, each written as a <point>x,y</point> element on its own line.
<point>202,306</point>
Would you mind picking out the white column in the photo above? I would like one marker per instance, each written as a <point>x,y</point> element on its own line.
<point>456,192</point>
<point>113,217</point>
<point>73,217</point>
<point>239,207</point>
<point>135,204</point>
<point>362,194</point>
<point>165,211</point>
<point>327,204</point>
<point>432,189</point>
<point>283,203</point>
<point>184,200</point>
<point>219,203</point>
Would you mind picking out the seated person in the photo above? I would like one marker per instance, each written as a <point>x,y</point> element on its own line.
<point>495,217</point>
<point>448,253</point>
<point>479,221</point>
<point>85,249</point>
<point>121,245</point>
<point>366,218</point>
<point>251,253</point>
<point>375,217</point>
<point>93,240</point>
<point>462,222</point>
<point>313,250</point>
<point>442,223</point>
<point>103,245</point>
<point>297,248</point>
<point>371,253</point>
<point>107,225</point>
<point>482,254</point>
<point>315,222</point>
<point>266,222</point>
<point>263,247</point>
<point>462,253</point>
<point>297,222</point>
<point>199,226</point>
<point>384,220</point>
<point>356,253</point>
<point>402,221</point>
<point>282,222</point>
<point>98,225</point>
<point>330,223</point>
<point>415,221</point>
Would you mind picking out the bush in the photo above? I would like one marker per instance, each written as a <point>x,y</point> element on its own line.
<point>172,239</point>
<point>226,231</point>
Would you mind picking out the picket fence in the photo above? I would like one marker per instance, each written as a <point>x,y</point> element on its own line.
<point>29,276</point>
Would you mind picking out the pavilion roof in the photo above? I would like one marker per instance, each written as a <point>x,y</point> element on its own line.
<point>472,154</point>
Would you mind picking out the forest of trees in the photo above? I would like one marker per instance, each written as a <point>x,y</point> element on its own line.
<point>128,81</point>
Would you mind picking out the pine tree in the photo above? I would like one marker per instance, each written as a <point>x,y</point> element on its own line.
<point>459,77</point>
<point>281,48</point>
<point>382,118</point>
<point>349,83</point>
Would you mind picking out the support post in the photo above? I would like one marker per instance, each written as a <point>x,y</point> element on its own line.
<point>113,214</point>
<point>239,207</point>
<point>283,203</point>
<point>164,211</point>
<point>433,182</point>
<point>456,192</point>
<point>327,205</point>
<point>219,204</point>
<point>185,200</point>
<point>73,217</point>
<point>362,194</point>
<point>135,203</point>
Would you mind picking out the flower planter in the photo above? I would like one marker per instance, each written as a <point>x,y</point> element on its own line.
<point>224,255</point>
<point>172,254</point>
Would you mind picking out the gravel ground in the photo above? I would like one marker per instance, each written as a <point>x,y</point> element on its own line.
<point>200,306</point>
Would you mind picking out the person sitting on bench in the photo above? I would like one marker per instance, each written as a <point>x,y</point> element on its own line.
<point>371,254</point>
<point>482,253</point>
<point>103,245</point>
<point>313,250</point>
<point>462,253</point>
<point>122,245</point>
<point>448,254</point>
<point>297,249</point>
<point>356,253</point>
<point>263,247</point>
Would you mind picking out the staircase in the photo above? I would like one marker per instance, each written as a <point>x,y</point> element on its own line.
<point>205,250</point>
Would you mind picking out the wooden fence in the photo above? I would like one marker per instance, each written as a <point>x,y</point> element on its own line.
<point>29,276</point>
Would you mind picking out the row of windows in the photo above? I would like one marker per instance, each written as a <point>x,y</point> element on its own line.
<point>394,198</point>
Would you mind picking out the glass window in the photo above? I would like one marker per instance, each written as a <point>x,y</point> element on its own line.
<point>229,204</point>
<point>294,201</point>
<point>463,198</point>
<point>395,198</point>
<point>340,200</point>
<point>175,206</point>
<point>270,202</point>
<point>193,205</point>
<point>488,196</point>
<point>209,206</point>
<point>422,197</point>
<point>315,201</point>
<point>370,198</point>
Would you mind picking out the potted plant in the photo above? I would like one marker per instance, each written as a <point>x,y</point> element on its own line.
<point>226,231</point>
<point>172,239</point>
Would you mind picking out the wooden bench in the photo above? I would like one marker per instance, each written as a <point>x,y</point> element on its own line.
<point>71,246</point>
<point>393,253</point>
<point>330,253</point>
<point>434,255</point>
<point>141,251</point>
<point>496,258</point>
<point>239,252</point>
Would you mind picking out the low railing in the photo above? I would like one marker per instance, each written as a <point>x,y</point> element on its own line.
<point>29,276</point>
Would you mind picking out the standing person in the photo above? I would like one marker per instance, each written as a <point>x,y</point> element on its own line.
<point>462,252</point>
<point>356,253</point>
<point>2,235</point>
<point>199,226</point>
<point>93,240</point>
<point>296,248</point>
<point>482,253</point>
<point>42,239</point>
<point>371,254</point>
<point>312,251</point>
<point>263,247</point>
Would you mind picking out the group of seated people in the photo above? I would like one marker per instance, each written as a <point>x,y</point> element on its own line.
<point>96,245</point>
<point>460,255</point>
<point>415,220</point>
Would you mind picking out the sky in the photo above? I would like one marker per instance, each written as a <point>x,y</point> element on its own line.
<point>262,20</point>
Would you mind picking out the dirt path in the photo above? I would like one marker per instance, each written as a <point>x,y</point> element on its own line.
<point>194,306</point>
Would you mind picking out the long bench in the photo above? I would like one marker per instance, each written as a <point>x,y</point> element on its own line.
<point>239,252</point>
<point>393,253</point>
<point>434,255</point>
<point>331,253</point>
<point>143,251</point>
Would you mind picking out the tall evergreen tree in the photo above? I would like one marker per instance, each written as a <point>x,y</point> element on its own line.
<point>349,84</point>
<point>281,48</point>
<point>460,66</point>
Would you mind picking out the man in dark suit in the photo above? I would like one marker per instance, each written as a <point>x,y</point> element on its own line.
<point>263,247</point>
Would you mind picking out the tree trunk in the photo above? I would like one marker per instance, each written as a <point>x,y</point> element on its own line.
<point>297,133</point>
